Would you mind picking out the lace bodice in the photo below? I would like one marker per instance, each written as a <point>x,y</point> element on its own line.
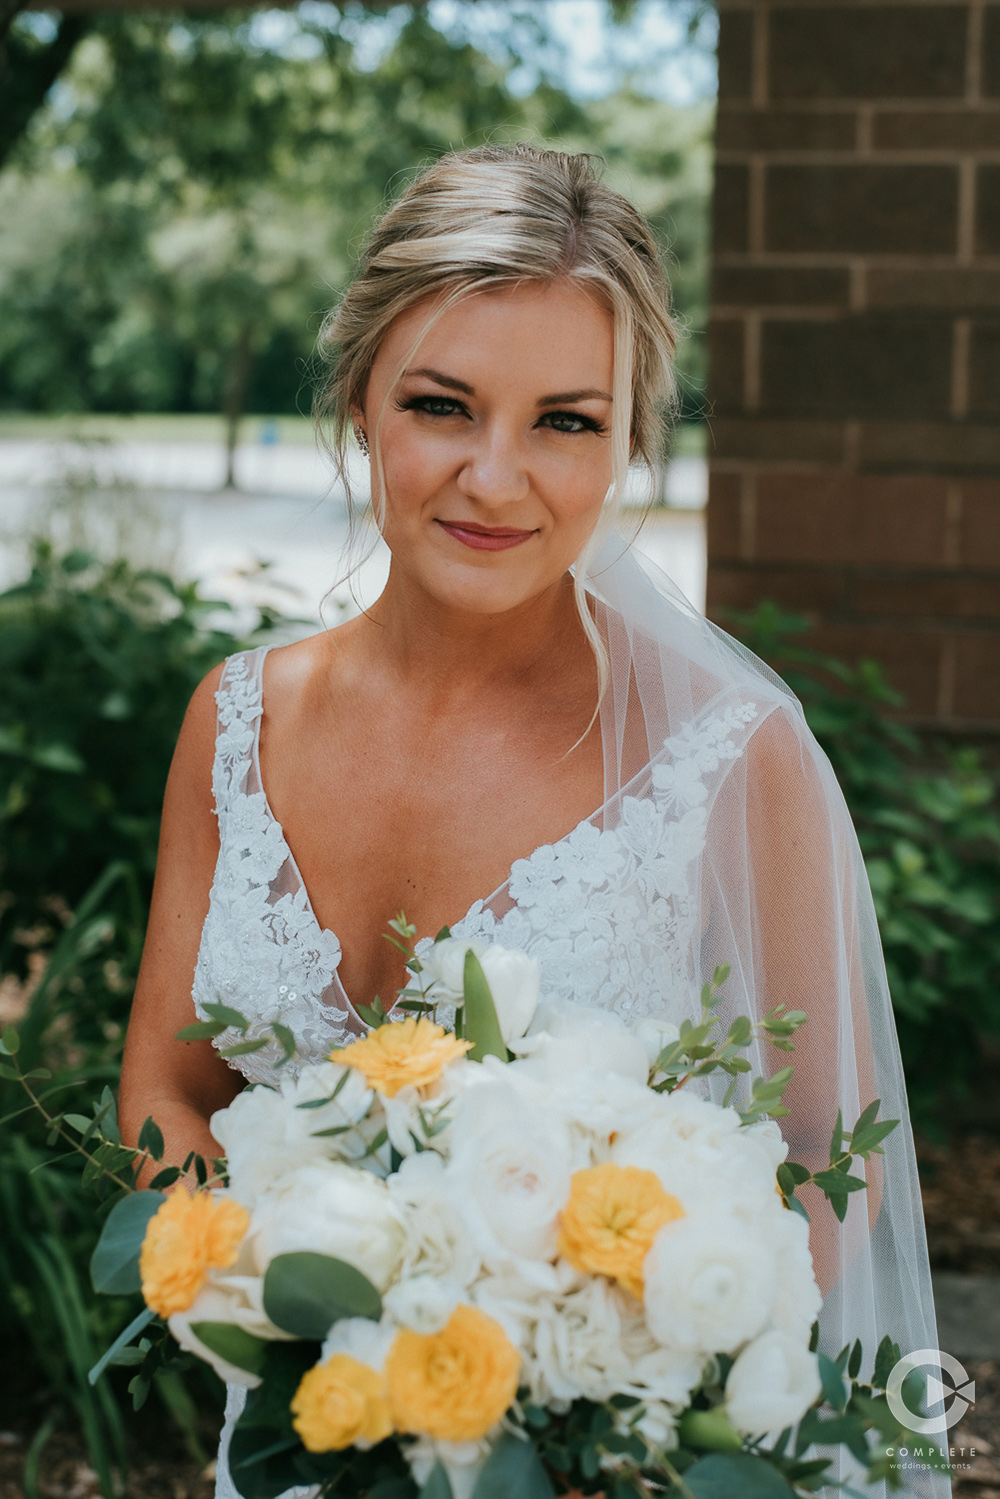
<point>611,911</point>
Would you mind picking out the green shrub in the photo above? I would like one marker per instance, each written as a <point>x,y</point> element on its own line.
<point>928,819</point>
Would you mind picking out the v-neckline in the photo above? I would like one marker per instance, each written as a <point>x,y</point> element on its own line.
<point>303,888</point>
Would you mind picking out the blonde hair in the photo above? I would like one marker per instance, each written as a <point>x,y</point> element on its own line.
<point>501,216</point>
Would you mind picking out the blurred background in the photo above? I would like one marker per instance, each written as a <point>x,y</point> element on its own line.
<point>182,194</point>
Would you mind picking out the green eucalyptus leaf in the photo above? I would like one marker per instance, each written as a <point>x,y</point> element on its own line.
<point>114,1265</point>
<point>735,1475</point>
<point>233,1344</point>
<point>305,1293</point>
<point>513,1467</point>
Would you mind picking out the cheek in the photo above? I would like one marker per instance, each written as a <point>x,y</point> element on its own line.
<point>415,468</point>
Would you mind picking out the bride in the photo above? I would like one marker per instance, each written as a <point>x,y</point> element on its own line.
<point>504,356</point>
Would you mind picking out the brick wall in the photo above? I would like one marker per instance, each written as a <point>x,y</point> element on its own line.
<point>855,470</point>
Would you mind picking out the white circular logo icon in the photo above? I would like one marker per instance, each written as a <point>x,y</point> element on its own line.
<point>961,1393</point>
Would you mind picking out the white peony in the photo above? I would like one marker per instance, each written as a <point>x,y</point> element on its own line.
<point>710,1283</point>
<point>333,1209</point>
<point>566,1038</point>
<point>437,1242</point>
<point>513,977</point>
<point>799,1300</point>
<point>264,1133</point>
<point>422,1302</point>
<point>237,1299</point>
<point>509,1173</point>
<point>771,1385</point>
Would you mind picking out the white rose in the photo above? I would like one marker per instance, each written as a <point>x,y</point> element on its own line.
<point>422,1302</point>
<point>509,1173</point>
<point>368,1342</point>
<point>264,1133</point>
<point>333,1209</point>
<point>436,1240</point>
<point>710,1283</point>
<point>513,977</point>
<point>771,1385</point>
<point>237,1299</point>
<point>655,1035</point>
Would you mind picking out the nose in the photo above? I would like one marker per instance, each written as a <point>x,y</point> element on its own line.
<point>494,471</point>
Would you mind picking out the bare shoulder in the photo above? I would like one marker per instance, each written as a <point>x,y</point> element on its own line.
<point>295,671</point>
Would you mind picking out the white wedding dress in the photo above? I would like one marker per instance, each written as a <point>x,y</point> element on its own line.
<point>626,912</point>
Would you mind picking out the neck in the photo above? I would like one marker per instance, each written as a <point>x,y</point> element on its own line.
<point>454,652</point>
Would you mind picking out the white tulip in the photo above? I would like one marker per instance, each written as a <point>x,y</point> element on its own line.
<point>237,1299</point>
<point>513,978</point>
<point>566,1039</point>
<point>330,1208</point>
<point>462,1461</point>
<point>710,1284</point>
<point>771,1385</point>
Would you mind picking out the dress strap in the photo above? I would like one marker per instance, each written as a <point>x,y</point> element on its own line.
<point>239,698</point>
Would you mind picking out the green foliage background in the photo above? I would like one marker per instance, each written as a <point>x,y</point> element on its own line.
<point>180,215</point>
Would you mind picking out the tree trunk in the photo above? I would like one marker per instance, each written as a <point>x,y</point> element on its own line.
<point>28,71</point>
<point>235,396</point>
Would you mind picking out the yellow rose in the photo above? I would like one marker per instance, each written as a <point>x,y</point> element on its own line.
<point>613,1215</point>
<point>454,1384</point>
<point>187,1237</point>
<point>340,1403</point>
<point>404,1053</point>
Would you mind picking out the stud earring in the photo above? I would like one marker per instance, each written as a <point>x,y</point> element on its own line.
<point>362,440</point>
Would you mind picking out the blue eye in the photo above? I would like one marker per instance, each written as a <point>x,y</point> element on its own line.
<point>431,405</point>
<point>572,422</point>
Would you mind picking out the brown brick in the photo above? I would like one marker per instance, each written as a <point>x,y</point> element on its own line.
<point>789,286</point>
<point>850,52</point>
<point>984,370</point>
<point>959,290</point>
<point>725,353</point>
<point>863,209</point>
<point>791,442</point>
<point>850,518</point>
<point>929,598</point>
<point>784,130</point>
<point>988,210</point>
<point>910,658</point>
<point>980,545</point>
<point>731,207</point>
<point>991,51</point>
<point>872,366</point>
<point>937,130</point>
<point>977,677</point>
<point>930,447</point>
<point>735,55</point>
<point>809,590</point>
<point>723,514</point>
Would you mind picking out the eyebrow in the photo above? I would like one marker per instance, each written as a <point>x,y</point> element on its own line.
<point>565,398</point>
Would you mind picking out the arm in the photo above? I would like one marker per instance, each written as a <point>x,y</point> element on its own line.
<point>180,1083</point>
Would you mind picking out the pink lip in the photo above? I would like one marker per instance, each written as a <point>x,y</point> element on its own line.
<point>485,538</point>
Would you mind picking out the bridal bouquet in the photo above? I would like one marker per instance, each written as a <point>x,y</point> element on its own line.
<point>514,1253</point>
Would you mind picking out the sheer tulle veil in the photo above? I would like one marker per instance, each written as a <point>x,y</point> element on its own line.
<point>784,900</point>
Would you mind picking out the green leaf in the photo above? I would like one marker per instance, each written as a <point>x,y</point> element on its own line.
<point>887,1356</point>
<point>438,1486</point>
<point>286,1039</point>
<point>10,1041</point>
<point>832,1381</point>
<point>513,1467</point>
<point>227,1015</point>
<point>854,1362</point>
<point>482,1027</point>
<point>123,1340</point>
<point>114,1265</point>
<point>726,1475</point>
<point>838,1183</point>
<point>229,1342</point>
<point>305,1293</point>
<point>200,1030</point>
<point>165,1178</point>
<point>242,1048</point>
<point>151,1138</point>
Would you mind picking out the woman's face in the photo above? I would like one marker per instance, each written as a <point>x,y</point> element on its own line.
<point>495,445</point>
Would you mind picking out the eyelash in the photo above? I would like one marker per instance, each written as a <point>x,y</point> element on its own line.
<point>423,403</point>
